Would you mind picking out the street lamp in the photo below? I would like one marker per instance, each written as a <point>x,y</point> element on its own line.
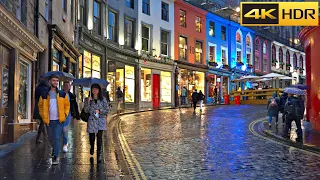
<point>238,9</point>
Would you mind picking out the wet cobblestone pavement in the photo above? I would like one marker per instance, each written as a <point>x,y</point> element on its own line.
<point>214,144</point>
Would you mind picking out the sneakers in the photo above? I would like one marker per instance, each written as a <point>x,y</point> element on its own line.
<point>55,160</point>
<point>65,148</point>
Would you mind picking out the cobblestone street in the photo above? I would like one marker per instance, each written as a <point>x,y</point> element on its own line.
<point>214,144</point>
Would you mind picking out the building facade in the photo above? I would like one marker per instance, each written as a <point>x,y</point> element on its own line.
<point>190,49</point>
<point>18,55</point>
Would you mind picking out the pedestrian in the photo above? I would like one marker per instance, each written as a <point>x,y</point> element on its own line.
<point>119,98</point>
<point>42,87</point>
<point>73,113</point>
<point>97,106</point>
<point>108,100</point>
<point>201,97</point>
<point>282,103</point>
<point>183,95</point>
<point>293,111</point>
<point>195,99</point>
<point>216,94</point>
<point>273,108</point>
<point>54,108</point>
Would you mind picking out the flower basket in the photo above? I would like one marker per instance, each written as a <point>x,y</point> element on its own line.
<point>281,63</point>
<point>239,63</point>
<point>288,65</point>
<point>214,64</point>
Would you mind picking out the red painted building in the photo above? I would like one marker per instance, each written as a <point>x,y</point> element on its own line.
<point>310,37</point>
<point>190,49</point>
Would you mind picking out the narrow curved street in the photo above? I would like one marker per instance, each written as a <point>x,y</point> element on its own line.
<point>214,144</point>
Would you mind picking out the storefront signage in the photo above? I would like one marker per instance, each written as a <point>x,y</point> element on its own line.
<point>115,55</point>
<point>111,66</point>
<point>121,56</point>
<point>89,42</point>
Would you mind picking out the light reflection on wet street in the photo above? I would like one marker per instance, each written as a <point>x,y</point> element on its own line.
<point>214,144</point>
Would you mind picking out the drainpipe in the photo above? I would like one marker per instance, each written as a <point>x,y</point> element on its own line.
<point>36,31</point>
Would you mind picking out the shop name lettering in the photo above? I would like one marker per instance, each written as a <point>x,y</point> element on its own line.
<point>87,41</point>
<point>121,56</point>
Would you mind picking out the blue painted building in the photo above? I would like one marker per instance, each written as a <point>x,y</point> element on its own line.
<point>230,55</point>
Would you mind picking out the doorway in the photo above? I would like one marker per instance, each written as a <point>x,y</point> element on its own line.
<point>156,90</point>
<point>308,81</point>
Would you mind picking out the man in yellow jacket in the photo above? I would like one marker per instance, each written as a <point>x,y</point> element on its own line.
<point>54,108</point>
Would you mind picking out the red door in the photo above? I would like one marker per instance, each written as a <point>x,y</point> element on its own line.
<point>156,90</point>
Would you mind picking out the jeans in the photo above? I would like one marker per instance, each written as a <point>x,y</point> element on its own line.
<point>183,100</point>
<point>55,132</point>
<point>270,119</point>
<point>66,129</point>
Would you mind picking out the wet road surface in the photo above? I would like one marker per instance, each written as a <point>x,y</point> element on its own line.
<point>214,144</point>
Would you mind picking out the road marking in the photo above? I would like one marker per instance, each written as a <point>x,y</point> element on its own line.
<point>129,153</point>
<point>253,123</point>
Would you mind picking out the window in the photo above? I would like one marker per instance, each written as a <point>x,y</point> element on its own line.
<point>146,7</point>
<point>146,84</point>
<point>112,26</point>
<point>165,87</point>
<point>249,58</point>
<point>47,10</point>
<point>211,29</point>
<point>248,41</point>
<point>128,26</point>
<point>301,62</point>
<point>91,65</point>
<point>130,3</point>
<point>224,59</point>
<point>83,16</point>
<point>183,18</point>
<point>129,84</point>
<point>198,52</point>
<point>239,55</point>
<point>264,48</point>
<point>212,53</point>
<point>183,47</point>
<point>287,57</point>
<point>265,63</point>
<point>145,38</point>
<point>238,37</point>
<point>257,63</point>
<point>295,63</point>
<point>24,89</point>
<point>257,45</point>
<point>280,55</point>
<point>223,33</point>
<point>273,53</point>
<point>96,17</point>
<point>198,24</point>
<point>71,6</point>
<point>64,5</point>
<point>164,42</point>
<point>165,11</point>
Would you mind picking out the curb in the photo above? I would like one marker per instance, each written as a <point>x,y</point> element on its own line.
<point>288,141</point>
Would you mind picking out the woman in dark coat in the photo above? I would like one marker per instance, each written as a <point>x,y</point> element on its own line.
<point>273,108</point>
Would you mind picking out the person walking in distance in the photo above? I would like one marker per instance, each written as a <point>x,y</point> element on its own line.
<point>273,108</point>
<point>97,106</point>
<point>216,94</point>
<point>73,113</point>
<point>119,98</point>
<point>183,95</point>
<point>54,108</point>
<point>201,97</point>
<point>42,87</point>
<point>195,99</point>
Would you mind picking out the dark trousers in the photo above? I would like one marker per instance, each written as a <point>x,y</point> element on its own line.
<point>288,127</point>
<point>194,105</point>
<point>42,130</point>
<point>92,137</point>
<point>183,100</point>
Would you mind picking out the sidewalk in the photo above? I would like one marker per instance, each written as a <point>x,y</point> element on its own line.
<point>311,139</point>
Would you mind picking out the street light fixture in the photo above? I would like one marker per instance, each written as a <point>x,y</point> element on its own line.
<point>238,9</point>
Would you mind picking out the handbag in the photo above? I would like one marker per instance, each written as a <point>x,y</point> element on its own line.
<point>84,116</point>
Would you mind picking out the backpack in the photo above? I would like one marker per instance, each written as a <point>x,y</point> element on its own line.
<point>273,103</point>
<point>119,94</point>
<point>292,110</point>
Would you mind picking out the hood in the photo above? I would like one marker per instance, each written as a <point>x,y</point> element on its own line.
<point>274,95</point>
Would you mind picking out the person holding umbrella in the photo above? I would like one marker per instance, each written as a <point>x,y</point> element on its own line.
<point>97,106</point>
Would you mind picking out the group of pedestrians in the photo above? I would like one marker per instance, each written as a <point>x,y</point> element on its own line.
<point>197,97</point>
<point>56,108</point>
<point>292,108</point>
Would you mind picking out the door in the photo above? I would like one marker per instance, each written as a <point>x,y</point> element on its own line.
<point>156,90</point>
<point>4,89</point>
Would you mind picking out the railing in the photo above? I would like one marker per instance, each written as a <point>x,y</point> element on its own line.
<point>255,96</point>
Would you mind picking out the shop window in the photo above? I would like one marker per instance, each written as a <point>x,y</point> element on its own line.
<point>55,66</point>
<point>120,79</point>
<point>146,7</point>
<point>146,84</point>
<point>166,87</point>
<point>183,47</point>
<point>24,92</point>
<point>224,59</point>
<point>111,87</point>
<point>129,84</point>
<point>196,81</point>
<point>96,17</point>
<point>198,24</point>
<point>164,11</point>
<point>164,42</point>
<point>183,18</point>
<point>198,52</point>
<point>225,85</point>
<point>211,84</point>
<point>145,38</point>
<point>211,29</point>
<point>128,25</point>
<point>223,33</point>
<point>112,26</point>
<point>183,80</point>
<point>92,65</point>
<point>212,53</point>
<point>130,3</point>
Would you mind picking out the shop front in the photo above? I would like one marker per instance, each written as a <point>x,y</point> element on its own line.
<point>123,72</point>
<point>18,53</point>
<point>92,61</point>
<point>219,79</point>
<point>191,78</point>
<point>156,82</point>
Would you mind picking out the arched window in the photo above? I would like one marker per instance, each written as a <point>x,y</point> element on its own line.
<point>295,64</point>
<point>280,55</point>
<point>238,37</point>
<point>257,44</point>
<point>264,48</point>
<point>301,62</point>
<point>239,45</point>
<point>248,40</point>
<point>273,54</point>
<point>287,57</point>
<point>249,49</point>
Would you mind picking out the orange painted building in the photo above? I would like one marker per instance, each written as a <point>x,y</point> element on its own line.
<point>190,50</point>
<point>310,37</point>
